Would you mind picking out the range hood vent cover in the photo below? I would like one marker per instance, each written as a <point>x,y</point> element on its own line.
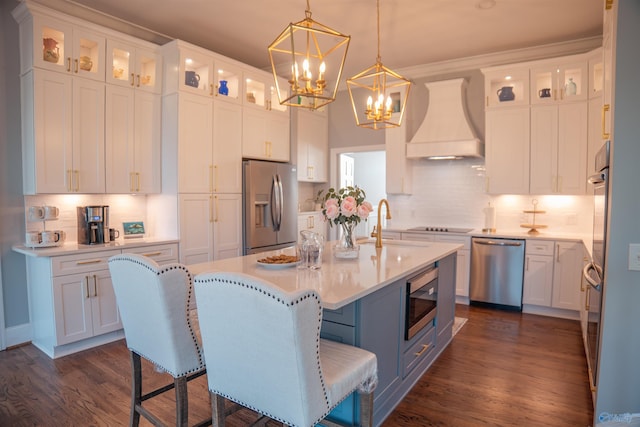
<point>446,131</point>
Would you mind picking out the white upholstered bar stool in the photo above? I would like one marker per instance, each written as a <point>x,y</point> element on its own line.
<point>263,351</point>
<point>154,307</point>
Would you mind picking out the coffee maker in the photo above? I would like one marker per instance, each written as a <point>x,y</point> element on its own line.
<point>93,225</point>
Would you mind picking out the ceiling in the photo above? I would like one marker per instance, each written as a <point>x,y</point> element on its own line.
<point>413,32</point>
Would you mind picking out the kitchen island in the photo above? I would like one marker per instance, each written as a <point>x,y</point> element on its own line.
<point>365,304</point>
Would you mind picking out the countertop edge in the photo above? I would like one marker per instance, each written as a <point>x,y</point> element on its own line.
<point>73,248</point>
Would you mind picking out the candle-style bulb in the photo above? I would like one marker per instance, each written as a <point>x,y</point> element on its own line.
<point>323,68</point>
<point>369,103</point>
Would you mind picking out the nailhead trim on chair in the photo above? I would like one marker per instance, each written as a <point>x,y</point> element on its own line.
<point>310,294</point>
<point>159,272</point>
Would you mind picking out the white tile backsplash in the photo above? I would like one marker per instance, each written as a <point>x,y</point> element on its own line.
<point>451,193</point>
<point>121,208</point>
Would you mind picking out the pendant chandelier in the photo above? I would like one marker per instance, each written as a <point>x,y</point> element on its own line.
<point>311,56</point>
<point>378,94</point>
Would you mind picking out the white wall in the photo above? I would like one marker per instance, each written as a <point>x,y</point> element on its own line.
<point>619,371</point>
<point>12,226</point>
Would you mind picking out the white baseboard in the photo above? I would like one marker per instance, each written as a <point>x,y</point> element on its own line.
<point>16,335</point>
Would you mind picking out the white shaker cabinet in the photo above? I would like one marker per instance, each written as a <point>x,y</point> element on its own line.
<point>312,221</point>
<point>558,150</point>
<point>209,145</point>
<point>85,306</point>
<point>538,272</point>
<point>265,135</point>
<point>133,141</point>
<point>507,150</point>
<point>312,143</point>
<point>210,227</point>
<point>63,133</point>
<point>71,299</point>
<point>227,147</point>
<point>265,123</point>
<point>567,275</point>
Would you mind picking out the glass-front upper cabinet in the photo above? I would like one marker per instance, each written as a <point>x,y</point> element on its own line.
<point>260,91</point>
<point>58,46</point>
<point>596,73</point>
<point>559,82</point>
<point>227,81</point>
<point>133,66</point>
<point>196,73</point>
<point>506,86</point>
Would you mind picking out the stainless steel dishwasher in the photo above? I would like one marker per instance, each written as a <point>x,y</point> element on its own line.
<point>497,271</point>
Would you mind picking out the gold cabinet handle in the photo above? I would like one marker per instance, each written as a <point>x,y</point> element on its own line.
<point>608,4</point>
<point>153,253</point>
<point>69,177</point>
<point>68,63</point>
<point>137,80</point>
<point>77,174</point>
<point>210,208</point>
<point>75,63</point>
<point>95,286</point>
<point>605,108</point>
<point>86,286</point>
<point>211,178</point>
<point>424,348</point>
<point>558,252</point>
<point>210,89</point>
<point>137,182</point>
<point>310,172</point>
<point>132,79</point>
<point>215,178</point>
<point>215,210</point>
<point>91,261</point>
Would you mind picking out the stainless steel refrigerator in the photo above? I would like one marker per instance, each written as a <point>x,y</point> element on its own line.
<point>270,205</point>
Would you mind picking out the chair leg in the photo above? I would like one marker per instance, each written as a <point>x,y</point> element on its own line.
<point>366,409</point>
<point>182,402</point>
<point>217,410</point>
<point>136,388</point>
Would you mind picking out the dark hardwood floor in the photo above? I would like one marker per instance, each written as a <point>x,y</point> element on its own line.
<point>502,369</point>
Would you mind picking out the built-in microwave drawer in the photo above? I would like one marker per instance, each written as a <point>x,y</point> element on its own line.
<point>539,247</point>
<point>421,349</point>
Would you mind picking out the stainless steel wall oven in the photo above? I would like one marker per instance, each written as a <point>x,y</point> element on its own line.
<point>421,301</point>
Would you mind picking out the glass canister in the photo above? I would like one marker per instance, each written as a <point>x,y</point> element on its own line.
<point>310,250</point>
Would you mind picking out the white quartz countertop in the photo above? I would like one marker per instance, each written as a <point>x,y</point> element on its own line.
<point>71,248</point>
<point>341,281</point>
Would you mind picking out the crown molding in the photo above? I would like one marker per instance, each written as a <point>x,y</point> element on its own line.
<point>502,58</point>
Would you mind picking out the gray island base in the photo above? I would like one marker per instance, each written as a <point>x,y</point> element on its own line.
<point>365,304</point>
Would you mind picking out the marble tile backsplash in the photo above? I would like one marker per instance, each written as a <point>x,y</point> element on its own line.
<point>451,193</point>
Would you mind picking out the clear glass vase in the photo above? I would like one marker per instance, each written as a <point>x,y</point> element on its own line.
<point>347,246</point>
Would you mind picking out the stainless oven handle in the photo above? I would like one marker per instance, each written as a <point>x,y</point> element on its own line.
<point>497,243</point>
<point>585,272</point>
<point>598,178</point>
<point>419,281</point>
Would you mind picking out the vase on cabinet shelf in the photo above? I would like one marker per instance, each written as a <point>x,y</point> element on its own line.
<point>223,89</point>
<point>571,87</point>
<point>347,248</point>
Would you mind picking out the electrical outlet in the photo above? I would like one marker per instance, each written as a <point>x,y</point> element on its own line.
<point>634,256</point>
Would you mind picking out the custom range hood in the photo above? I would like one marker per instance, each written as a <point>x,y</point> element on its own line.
<point>445,132</point>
